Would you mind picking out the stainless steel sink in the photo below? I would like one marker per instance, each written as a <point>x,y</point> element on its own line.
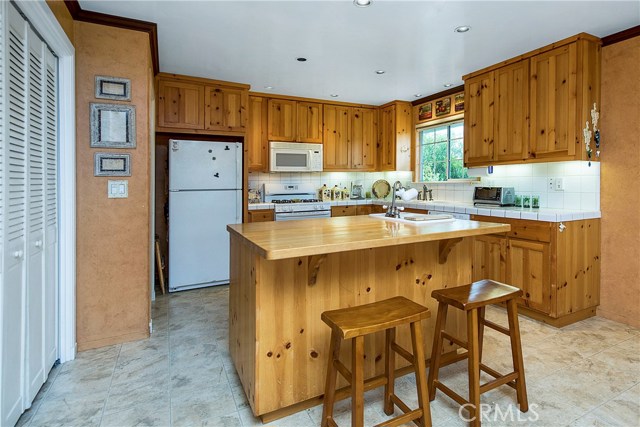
<point>415,218</point>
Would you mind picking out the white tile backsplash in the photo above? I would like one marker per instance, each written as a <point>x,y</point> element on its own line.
<point>581,182</point>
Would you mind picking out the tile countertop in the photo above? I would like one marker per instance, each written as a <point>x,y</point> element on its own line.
<point>547,215</point>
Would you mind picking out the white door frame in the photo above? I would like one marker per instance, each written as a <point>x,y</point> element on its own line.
<point>41,17</point>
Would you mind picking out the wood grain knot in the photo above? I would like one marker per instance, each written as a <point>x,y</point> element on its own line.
<point>313,354</point>
<point>378,358</point>
<point>287,345</point>
<point>299,262</point>
<point>269,354</point>
<point>398,267</point>
<point>368,289</point>
<point>301,330</point>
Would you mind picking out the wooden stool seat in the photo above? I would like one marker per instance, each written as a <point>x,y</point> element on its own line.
<point>473,299</point>
<point>356,322</point>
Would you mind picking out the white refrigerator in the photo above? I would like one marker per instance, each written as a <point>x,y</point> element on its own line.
<point>205,194</point>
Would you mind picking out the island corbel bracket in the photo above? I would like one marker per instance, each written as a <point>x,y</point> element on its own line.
<point>445,248</point>
<point>315,261</point>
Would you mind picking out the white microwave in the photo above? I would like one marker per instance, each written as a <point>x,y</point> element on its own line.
<point>295,157</point>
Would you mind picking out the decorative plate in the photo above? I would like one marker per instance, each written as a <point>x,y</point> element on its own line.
<point>381,188</point>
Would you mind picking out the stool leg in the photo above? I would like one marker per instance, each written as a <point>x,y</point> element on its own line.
<point>389,370</point>
<point>480,332</point>
<point>516,354</point>
<point>418,363</point>
<point>474,367</point>
<point>436,349</point>
<point>357,382</point>
<point>330,384</point>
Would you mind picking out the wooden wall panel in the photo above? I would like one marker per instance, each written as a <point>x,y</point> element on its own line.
<point>113,235</point>
<point>620,177</point>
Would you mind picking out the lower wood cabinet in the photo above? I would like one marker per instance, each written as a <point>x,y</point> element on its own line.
<point>343,210</point>
<point>557,269</point>
<point>261,215</point>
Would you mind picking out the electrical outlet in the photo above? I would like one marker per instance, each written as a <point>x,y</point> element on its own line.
<point>551,185</point>
<point>559,184</point>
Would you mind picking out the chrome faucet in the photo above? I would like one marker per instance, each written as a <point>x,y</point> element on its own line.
<point>393,211</point>
<point>426,191</point>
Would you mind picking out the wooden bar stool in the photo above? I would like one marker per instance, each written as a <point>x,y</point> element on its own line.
<point>356,322</point>
<point>473,299</point>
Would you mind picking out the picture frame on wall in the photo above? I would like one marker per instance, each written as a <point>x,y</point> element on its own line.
<point>113,126</point>
<point>458,103</point>
<point>443,106</point>
<point>425,112</point>
<point>114,88</point>
<point>112,164</point>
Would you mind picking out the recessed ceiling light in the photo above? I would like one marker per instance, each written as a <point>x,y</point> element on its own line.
<point>418,95</point>
<point>268,87</point>
<point>447,84</point>
<point>362,3</point>
<point>380,71</point>
<point>334,95</point>
<point>301,59</point>
<point>462,29</point>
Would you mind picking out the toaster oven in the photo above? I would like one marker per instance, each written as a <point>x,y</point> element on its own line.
<point>494,196</point>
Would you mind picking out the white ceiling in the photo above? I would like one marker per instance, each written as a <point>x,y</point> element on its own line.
<point>257,42</point>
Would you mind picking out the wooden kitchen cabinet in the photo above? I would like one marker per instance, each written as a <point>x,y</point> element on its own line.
<point>309,123</point>
<point>394,137</point>
<point>368,209</point>
<point>257,142</point>
<point>261,215</point>
<point>282,120</point>
<point>344,210</point>
<point>180,104</point>
<point>558,269</point>
<point>533,107</point>
<point>337,133</point>
<point>226,108</point>
<point>363,139</point>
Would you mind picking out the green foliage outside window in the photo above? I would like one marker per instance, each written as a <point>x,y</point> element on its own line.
<point>441,153</point>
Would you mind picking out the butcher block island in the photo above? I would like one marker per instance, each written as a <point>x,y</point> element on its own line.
<point>285,274</point>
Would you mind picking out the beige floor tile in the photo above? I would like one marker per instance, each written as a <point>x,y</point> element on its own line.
<point>201,406</point>
<point>145,414</point>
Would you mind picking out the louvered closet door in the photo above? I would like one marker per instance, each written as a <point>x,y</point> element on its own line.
<point>50,209</point>
<point>34,367</point>
<point>15,79</point>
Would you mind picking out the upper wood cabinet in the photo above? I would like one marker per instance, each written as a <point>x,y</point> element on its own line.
<point>309,122</point>
<point>282,120</point>
<point>349,138</point>
<point>394,137</point>
<point>180,104</point>
<point>533,107</point>
<point>337,134</point>
<point>196,105</point>
<point>363,138</point>
<point>257,143</point>
<point>226,108</point>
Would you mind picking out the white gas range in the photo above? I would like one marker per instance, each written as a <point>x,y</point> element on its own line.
<point>295,201</point>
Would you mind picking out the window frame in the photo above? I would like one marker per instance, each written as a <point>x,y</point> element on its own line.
<point>418,163</point>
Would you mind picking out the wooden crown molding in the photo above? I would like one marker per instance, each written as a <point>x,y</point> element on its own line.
<point>450,91</point>
<point>117,21</point>
<point>620,36</point>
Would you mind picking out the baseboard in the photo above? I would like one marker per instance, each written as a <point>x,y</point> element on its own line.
<point>103,342</point>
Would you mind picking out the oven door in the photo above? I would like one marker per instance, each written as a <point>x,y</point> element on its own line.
<point>289,216</point>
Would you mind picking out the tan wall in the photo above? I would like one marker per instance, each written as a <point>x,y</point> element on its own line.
<point>620,178</point>
<point>113,247</point>
<point>63,16</point>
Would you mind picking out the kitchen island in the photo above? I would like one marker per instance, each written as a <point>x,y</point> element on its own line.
<point>285,274</point>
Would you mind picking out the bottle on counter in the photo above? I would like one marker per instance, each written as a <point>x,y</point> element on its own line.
<point>322,194</point>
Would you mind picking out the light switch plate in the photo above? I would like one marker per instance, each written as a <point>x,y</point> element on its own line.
<point>118,189</point>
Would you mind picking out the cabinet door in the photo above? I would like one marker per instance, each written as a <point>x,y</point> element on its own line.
<point>553,101</point>
<point>261,215</point>
<point>180,105</point>
<point>363,139</point>
<point>489,258</point>
<point>257,141</point>
<point>386,139</point>
<point>282,120</point>
<point>364,209</point>
<point>528,268</point>
<point>310,122</point>
<point>337,150</point>
<point>511,112</point>
<point>478,117</point>
<point>226,109</point>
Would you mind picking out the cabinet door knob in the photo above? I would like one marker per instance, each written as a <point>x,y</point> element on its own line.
<point>17,254</point>
<point>38,243</point>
